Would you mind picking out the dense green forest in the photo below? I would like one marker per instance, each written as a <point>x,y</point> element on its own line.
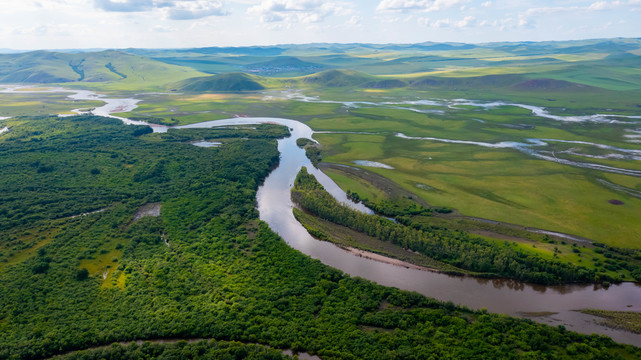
<point>202,349</point>
<point>312,150</point>
<point>80,267</point>
<point>453,247</point>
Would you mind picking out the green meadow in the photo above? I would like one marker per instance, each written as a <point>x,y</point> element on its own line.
<point>44,104</point>
<point>498,184</point>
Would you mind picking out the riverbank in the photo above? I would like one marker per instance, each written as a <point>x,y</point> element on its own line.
<point>369,247</point>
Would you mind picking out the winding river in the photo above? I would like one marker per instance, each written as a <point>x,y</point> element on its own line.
<point>554,305</point>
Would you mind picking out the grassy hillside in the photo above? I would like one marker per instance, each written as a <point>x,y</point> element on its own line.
<point>231,82</point>
<point>337,78</point>
<point>110,69</point>
<point>283,66</point>
<point>399,59</point>
<point>609,64</point>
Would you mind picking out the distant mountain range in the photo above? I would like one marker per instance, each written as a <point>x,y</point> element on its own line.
<point>562,64</point>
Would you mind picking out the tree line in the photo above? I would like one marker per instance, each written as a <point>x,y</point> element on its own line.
<point>457,248</point>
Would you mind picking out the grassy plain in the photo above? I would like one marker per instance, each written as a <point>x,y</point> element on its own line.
<point>497,184</point>
<point>478,181</point>
<point>16,104</point>
<point>563,250</point>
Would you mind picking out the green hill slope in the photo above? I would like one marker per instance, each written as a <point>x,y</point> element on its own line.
<point>94,67</point>
<point>230,82</point>
<point>338,78</point>
<point>284,66</point>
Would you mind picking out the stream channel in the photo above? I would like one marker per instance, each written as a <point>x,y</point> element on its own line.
<point>553,305</point>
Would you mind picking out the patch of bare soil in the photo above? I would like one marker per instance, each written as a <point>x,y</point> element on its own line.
<point>150,209</point>
<point>386,259</point>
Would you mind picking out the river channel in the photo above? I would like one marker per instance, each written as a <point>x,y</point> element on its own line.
<point>553,305</point>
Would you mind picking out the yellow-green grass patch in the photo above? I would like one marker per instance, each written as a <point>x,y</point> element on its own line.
<point>570,253</point>
<point>102,265</point>
<point>360,186</point>
<point>12,104</point>
<point>631,182</point>
<point>33,238</point>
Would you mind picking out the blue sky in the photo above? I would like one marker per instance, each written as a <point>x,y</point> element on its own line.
<point>57,24</point>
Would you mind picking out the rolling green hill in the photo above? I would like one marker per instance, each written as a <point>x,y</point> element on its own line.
<point>338,78</point>
<point>379,59</point>
<point>230,82</point>
<point>90,67</point>
<point>284,65</point>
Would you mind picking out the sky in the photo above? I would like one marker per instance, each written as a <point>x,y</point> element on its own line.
<point>80,24</point>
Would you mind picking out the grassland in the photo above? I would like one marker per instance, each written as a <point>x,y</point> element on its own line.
<point>498,185</point>
<point>370,188</point>
<point>104,70</point>
<point>15,104</point>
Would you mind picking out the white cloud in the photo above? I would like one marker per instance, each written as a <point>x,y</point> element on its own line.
<point>417,5</point>
<point>50,30</point>
<point>162,29</point>
<point>551,10</point>
<point>599,5</point>
<point>301,11</point>
<point>174,10</point>
<point>194,9</point>
<point>526,16</point>
<point>610,5</point>
<point>467,21</point>
<point>354,20</point>
<point>124,5</point>
<point>527,19</point>
<point>16,6</point>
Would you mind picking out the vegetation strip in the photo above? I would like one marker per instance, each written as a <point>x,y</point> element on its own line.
<point>370,247</point>
<point>174,348</point>
<point>455,248</point>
